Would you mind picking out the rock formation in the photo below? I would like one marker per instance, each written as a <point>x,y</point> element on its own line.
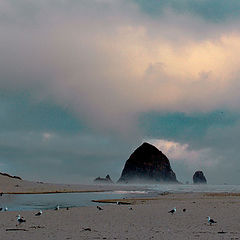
<point>107,179</point>
<point>199,178</point>
<point>147,163</point>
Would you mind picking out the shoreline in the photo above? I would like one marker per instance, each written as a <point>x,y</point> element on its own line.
<point>53,192</point>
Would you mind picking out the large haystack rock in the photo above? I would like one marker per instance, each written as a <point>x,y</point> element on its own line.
<point>147,163</point>
<point>199,178</point>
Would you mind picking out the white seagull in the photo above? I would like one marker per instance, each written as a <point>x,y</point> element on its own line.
<point>172,211</point>
<point>38,213</point>
<point>211,221</point>
<point>20,219</point>
<point>6,209</point>
<point>57,207</point>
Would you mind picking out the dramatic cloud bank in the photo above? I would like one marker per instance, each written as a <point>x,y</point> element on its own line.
<point>108,61</point>
<point>105,63</point>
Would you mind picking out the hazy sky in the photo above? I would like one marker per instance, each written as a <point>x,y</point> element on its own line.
<point>83,83</point>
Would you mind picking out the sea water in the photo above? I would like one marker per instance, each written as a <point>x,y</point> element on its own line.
<point>188,188</point>
<point>18,202</point>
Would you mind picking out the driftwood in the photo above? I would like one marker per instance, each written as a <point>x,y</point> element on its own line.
<point>16,229</point>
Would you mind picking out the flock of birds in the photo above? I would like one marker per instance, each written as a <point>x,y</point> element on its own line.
<point>210,220</point>
<point>39,213</point>
<point>22,220</point>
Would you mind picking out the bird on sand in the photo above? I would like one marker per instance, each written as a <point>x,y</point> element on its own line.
<point>20,219</point>
<point>38,213</point>
<point>172,211</point>
<point>57,207</point>
<point>184,210</point>
<point>6,209</point>
<point>99,208</point>
<point>211,221</point>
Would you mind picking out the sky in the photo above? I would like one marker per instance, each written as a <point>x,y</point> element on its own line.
<point>84,83</point>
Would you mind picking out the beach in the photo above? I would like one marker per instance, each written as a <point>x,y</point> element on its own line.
<point>147,220</point>
<point>141,218</point>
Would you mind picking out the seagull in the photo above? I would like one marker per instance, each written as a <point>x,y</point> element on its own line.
<point>211,221</point>
<point>20,219</point>
<point>130,208</point>
<point>39,213</point>
<point>99,208</point>
<point>6,209</point>
<point>172,211</point>
<point>118,203</point>
<point>1,209</point>
<point>57,207</point>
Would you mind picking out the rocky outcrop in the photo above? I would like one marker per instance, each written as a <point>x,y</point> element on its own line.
<point>147,163</point>
<point>199,178</point>
<point>107,179</point>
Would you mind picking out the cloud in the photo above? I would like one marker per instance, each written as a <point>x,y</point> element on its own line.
<point>107,61</point>
<point>47,136</point>
<point>182,153</point>
<point>61,158</point>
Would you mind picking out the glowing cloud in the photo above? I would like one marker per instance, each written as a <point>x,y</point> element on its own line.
<point>182,153</point>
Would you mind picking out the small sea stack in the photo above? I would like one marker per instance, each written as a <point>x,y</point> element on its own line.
<point>199,178</point>
<point>107,179</point>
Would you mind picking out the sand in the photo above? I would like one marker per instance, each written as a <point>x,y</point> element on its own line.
<point>148,219</point>
<point>16,186</point>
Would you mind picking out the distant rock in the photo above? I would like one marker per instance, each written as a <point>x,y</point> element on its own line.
<point>199,178</point>
<point>149,164</point>
<point>7,175</point>
<point>107,179</point>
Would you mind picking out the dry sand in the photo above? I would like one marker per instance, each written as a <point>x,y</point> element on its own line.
<point>149,219</point>
<point>12,185</point>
